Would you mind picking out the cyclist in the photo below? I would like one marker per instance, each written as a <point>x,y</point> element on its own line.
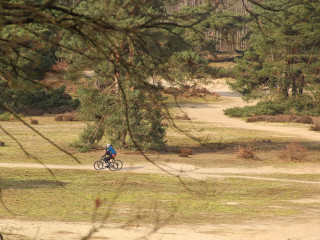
<point>110,151</point>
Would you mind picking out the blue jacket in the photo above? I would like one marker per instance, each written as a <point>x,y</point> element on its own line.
<point>111,150</point>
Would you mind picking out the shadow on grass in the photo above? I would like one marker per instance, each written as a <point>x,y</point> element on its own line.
<point>7,183</point>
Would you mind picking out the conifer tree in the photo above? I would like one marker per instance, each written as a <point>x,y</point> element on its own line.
<point>125,59</point>
<point>283,58</point>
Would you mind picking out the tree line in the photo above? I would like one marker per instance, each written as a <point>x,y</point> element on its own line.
<point>128,43</point>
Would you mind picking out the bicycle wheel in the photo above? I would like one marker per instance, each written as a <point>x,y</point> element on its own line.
<point>118,164</point>
<point>103,165</point>
<point>112,166</point>
<point>99,165</point>
<point>96,165</point>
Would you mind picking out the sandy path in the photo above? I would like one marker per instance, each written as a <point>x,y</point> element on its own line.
<point>213,114</point>
<point>187,170</point>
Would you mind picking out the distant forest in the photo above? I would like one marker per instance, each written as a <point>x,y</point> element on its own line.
<point>227,41</point>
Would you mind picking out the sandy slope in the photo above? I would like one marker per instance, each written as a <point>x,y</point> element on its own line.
<point>306,227</point>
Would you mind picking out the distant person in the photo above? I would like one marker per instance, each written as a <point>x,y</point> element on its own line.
<point>110,151</point>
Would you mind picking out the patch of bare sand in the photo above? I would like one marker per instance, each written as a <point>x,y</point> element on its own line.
<point>188,170</point>
<point>273,229</point>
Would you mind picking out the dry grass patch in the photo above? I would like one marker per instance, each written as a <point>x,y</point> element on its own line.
<point>190,91</point>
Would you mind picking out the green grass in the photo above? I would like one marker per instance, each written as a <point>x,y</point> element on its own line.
<point>213,146</point>
<point>143,198</point>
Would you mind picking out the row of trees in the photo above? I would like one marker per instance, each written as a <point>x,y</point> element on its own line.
<point>128,42</point>
<point>282,63</point>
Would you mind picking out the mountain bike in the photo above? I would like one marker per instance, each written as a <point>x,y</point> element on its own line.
<point>113,165</point>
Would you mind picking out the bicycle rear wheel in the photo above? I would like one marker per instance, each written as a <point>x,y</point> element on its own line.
<point>99,165</point>
<point>102,164</point>
<point>95,165</point>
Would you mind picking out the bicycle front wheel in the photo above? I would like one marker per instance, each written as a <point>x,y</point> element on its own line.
<point>112,166</point>
<point>118,164</point>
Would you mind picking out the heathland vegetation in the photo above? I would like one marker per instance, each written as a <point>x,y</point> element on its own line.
<point>75,74</point>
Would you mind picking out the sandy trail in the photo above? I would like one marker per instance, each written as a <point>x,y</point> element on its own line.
<point>187,170</point>
<point>213,114</point>
<point>304,227</point>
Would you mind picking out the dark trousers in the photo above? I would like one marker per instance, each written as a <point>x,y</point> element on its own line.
<point>109,156</point>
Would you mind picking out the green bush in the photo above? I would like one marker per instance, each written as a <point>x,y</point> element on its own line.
<point>298,106</point>
<point>35,99</point>
<point>81,146</point>
<point>41,99</point>
<point>88,138</point>
<point>92,134</point>
<point>5,116</point>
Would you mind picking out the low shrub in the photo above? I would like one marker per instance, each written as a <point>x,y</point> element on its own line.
<point>69,116</point>
<point>9,117</point>
<point>246,152</point>
<point>294,151</point>
<point>58,117</point>
<point>5,116</point>
<point>34,121</point>
<point>281,118</point>
<point>315,127</point>
<point>296,106</point>
<point>185,152</point>
<point>305,119</point>
<point>1,144</point>
<point>164,124</point>
<point>183,155</point>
